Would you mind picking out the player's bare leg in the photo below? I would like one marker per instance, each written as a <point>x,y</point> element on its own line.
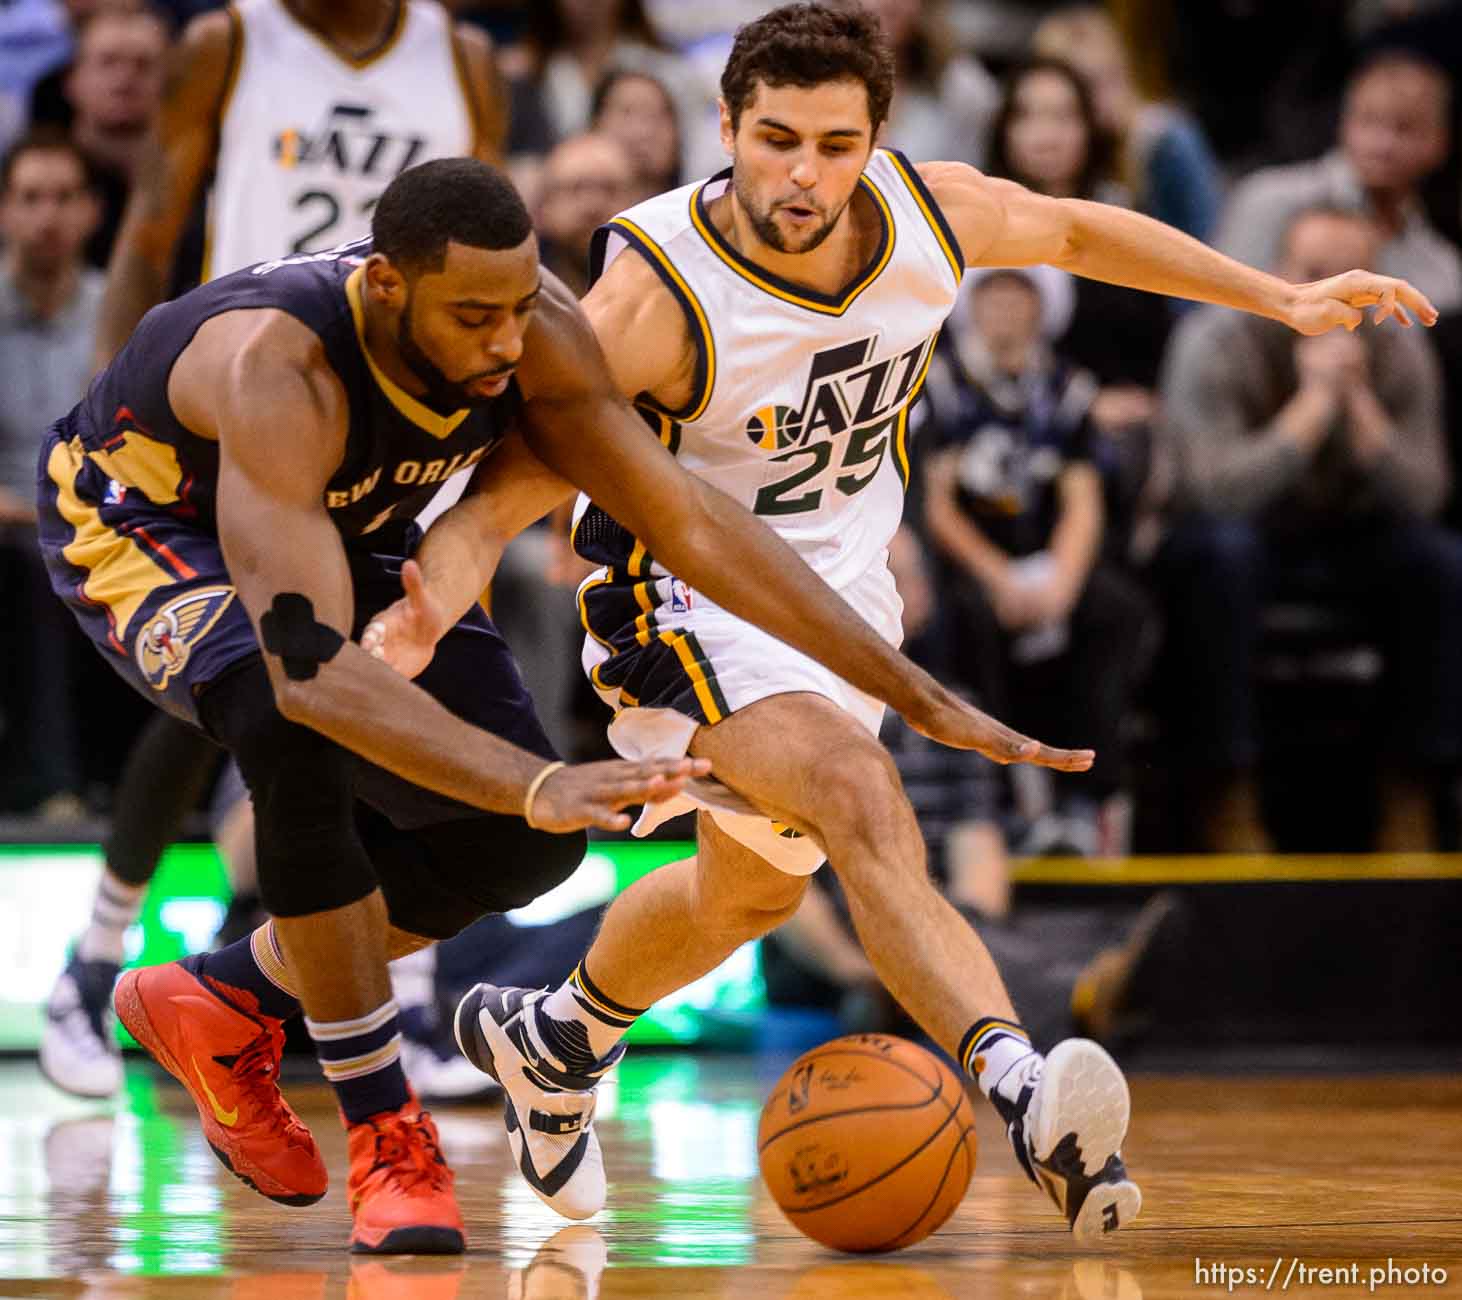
<point>724,896</point>
<point>809,764</point>
<point>337,959</point>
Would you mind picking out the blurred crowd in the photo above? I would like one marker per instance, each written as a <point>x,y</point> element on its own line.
<point>1224,555</point>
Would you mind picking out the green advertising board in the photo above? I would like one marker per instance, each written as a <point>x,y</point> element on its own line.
<point>46,893</point>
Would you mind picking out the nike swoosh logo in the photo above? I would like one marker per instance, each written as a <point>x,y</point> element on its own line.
<point>228,1118</point>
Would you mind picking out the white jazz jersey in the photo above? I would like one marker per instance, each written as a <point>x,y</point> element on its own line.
<point>310,137</point>
<point>802,399</point>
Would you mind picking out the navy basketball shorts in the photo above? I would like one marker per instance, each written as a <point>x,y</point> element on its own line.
<point>152,593</point>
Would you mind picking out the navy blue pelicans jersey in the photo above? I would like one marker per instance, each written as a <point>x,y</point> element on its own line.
<point>127,494</point>
<point>397,452</point>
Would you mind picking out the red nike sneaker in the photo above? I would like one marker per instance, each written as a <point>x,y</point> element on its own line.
<point>229,1063</point>
<point>400,1188</point>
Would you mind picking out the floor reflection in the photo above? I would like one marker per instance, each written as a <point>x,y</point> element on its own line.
<point>125,1200</point>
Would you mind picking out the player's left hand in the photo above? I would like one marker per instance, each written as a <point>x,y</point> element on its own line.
<point>1340,300</point>
<point>405,634</point>
<point>953,722</point>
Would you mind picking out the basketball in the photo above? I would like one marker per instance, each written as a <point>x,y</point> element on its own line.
<point>867,1143</point>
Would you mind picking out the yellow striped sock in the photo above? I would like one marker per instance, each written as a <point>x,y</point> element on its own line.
<point>269,957</point>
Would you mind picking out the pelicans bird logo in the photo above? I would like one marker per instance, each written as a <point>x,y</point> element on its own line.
<point>168,636</point>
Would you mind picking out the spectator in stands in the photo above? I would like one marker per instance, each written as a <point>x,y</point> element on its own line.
<point>586,180</point>
<point>569,45</point>
<point>944,101</point>
<point>1394,132</point>
<point>637,111</point>
<point>1434,30</point>
<point>50,104</point>
<point>1047,137</point>
<point>37,37</point>
<point>115,90</point>
<point>1164,158</point>
<point>1315,467</point>
<point>48,306</point>
<point>1038,626</point>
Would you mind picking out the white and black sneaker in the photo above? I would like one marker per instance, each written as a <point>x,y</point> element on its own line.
<point>1067,1127</point>
<point>79,1052</point>
<point>549,1111</point>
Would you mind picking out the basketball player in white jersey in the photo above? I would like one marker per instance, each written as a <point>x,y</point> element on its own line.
<point>774,325</point>
<point>301,112</point>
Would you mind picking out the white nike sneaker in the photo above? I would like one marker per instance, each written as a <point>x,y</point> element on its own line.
<point>549,1112</point>
<point>79,1052</point>
<point>1067,1130</point>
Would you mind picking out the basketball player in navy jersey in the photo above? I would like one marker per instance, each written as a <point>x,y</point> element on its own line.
<point>293,115</point>
<point>224,512</point>
<point>793,302</point>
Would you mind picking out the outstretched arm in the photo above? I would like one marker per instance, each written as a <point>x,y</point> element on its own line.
<point>289,567</point>
<point>999,223</point>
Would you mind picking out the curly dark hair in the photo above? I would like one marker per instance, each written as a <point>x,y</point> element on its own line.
<point>1101,147</point>
<point>808,45</point>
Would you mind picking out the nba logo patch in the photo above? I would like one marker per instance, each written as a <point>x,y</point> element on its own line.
<point>116,493</point>
<point>681,597</point>
<point>164,643</point>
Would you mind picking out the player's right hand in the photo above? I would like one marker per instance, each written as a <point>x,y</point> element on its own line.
<point>405,634</point>
<point>591,794</point>
<point>1321,305</point>
<point>959,725</point>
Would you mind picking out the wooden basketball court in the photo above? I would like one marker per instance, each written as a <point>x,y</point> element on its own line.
<point>1269,1175</point>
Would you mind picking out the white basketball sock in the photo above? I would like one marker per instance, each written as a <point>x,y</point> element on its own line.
<point>115,907</point>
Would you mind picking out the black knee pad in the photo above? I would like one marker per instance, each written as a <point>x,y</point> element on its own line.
<point>508,863</point>
<point>310,856</point>
<point>416,900</point>
<point>438,879</point>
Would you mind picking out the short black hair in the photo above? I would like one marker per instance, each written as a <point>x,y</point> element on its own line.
<point>810,45</point>
<point>42,139</point>
<point>448,200</point>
